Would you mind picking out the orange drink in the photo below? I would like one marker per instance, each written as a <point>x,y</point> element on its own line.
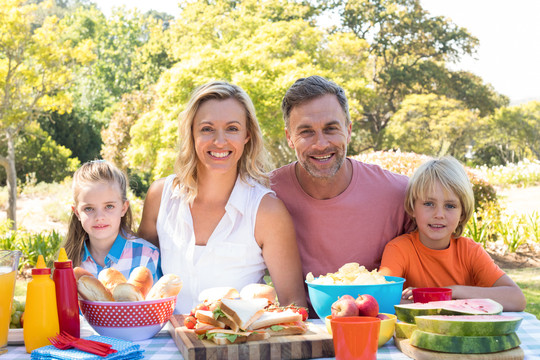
<point>9,262</point>
<point>7,283</point>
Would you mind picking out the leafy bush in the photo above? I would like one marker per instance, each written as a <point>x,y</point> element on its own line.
<point>406,163</point>
<point>39,155</point>
<point>31,245</point>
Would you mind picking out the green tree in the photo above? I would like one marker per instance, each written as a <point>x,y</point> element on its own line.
<point>35,70</point>
<point>116,137</point>
<point>407,52</point>
<point>253,45</point>
<point>511,134</point>
<point>40,158</point>
<point>432,125</point>
<point>130,54</point>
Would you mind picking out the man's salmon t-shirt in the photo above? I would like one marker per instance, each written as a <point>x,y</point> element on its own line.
<point>351,227</point>
<point>464,262</point>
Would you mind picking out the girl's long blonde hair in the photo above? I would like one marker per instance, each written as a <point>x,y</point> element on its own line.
<point>253,163</point>
<point>90,173</point>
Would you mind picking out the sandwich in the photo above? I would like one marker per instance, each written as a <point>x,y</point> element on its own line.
<point>226,324</point>
<point>207,317</point>
<point>241,313</point>
<point>263,291</point>
<point>287,322</point>
<point>226,336</point>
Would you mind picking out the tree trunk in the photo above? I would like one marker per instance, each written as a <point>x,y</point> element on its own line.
<point>11,173</point>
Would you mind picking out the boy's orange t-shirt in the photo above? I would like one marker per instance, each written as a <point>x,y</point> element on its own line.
<point>464,262</point>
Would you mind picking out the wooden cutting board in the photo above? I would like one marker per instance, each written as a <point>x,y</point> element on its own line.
<point>315,343</point>
<point>422,354</point>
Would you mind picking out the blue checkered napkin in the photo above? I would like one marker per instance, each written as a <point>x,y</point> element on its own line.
<point>126,350</point>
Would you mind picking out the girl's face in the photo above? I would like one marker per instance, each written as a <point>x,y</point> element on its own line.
<point>437,216</point>
<point>100,208</point>
<point>220,133</point>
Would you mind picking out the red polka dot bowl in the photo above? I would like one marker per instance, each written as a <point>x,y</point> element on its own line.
<point>133,320</point>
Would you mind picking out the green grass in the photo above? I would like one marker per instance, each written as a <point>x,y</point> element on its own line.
<point>528,280</point>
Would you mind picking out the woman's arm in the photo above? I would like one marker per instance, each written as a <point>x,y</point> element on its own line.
<point>504,291</point>
<point>274,232</point>
<point>147,229</point>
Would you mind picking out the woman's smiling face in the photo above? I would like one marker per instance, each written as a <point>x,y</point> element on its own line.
<point>220,134</point>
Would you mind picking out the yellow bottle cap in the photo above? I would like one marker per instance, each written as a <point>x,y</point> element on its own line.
<point>41,268</point>
<point>40,262</point>
<point>62,256</point>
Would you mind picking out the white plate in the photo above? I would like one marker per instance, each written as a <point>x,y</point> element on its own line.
<point>15,337</point>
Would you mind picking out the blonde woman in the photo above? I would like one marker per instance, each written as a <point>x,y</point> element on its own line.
<point>215,220</point>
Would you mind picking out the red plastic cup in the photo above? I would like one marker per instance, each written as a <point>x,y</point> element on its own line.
<point>355,337</point>
<point>424,295</point>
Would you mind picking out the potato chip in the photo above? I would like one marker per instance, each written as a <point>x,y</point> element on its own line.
<point>349,274</point>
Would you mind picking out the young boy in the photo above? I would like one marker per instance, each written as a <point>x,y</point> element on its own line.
<point>440,200</point>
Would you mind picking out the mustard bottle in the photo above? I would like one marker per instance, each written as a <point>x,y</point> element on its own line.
<point>40,315</point>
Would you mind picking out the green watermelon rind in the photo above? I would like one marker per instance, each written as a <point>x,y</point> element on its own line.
<point>469,325</point>
<point>404,330</point>
<point>464,344</point>
<point>407,312</point>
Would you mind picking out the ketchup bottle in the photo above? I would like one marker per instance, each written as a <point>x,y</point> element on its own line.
<point>66,295</point>
<point>41,314</point>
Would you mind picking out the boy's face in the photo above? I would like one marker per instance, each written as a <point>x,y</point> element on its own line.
<point>437,216</point>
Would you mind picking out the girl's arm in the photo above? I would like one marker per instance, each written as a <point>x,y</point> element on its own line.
<point>504,291</point>
<point>147,229</point>
<point>274,232</point>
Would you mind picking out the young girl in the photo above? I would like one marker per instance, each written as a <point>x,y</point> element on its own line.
<point>100,234</point>
<point>441,201</point>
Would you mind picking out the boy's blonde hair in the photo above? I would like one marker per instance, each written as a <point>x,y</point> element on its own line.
<point>448,172</point>
<point>90,173</point>
<point>253,163</point>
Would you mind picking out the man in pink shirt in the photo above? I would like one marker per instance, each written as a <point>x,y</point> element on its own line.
<point>343,210</point>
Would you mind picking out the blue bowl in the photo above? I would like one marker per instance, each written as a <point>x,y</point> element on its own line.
<point>387,295</point>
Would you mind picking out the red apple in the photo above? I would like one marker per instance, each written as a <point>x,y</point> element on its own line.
<point>347,297</point>
<point>383,316</point>
<point>344,307</point>
<point>367,305</point>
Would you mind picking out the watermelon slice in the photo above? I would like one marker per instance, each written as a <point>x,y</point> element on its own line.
<point>468,325</point>
<point>404,330</point>
<point>407,312</point>
<point>464,344</point>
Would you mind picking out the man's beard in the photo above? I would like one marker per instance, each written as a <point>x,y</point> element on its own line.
<point>316,172</point>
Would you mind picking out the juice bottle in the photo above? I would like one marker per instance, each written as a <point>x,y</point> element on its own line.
<point>7,282</point>
<point>9,262</point>
<point>41,314</point>
<point>66,295</point>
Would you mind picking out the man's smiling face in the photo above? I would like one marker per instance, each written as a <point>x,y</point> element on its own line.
<point>319,134</point>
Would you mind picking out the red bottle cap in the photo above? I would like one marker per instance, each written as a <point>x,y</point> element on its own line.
<point>41,268</point>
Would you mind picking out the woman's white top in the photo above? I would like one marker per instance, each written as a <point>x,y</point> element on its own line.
<point>231,256</point>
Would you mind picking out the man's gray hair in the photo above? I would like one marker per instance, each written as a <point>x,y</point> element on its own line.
<point>306,89</point>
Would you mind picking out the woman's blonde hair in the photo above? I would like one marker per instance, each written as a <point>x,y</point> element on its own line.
<point>253,163</point>
<point>90,173</point>
<point>448,172</point>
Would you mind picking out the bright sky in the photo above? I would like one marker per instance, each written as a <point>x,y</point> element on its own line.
<point>509,32</point>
